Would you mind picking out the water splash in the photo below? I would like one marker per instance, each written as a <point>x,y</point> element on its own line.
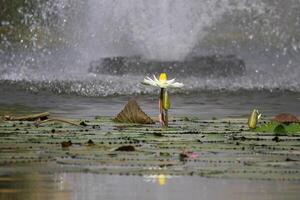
<point>61,37</point>
<point>159,29</point>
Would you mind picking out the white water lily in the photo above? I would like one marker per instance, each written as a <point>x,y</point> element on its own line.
<point>163,102</point>
<point>162,82</point>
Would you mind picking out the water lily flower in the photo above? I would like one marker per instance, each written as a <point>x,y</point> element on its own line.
<point>188,154</point>
<point>162,82</point>
<point>164,102</point>
<point>194,155</point>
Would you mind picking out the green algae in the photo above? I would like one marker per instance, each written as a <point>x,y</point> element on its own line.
<point>223,148</point>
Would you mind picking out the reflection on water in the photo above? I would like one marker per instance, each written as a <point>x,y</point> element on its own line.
<point>161,179</point>
<point>32,186</point>
<point>95,186</point>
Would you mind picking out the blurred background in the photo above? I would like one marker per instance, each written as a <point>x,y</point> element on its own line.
<point>49,47</point>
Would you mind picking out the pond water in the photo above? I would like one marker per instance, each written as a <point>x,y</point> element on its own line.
<point>96,186</point>
<point>206,104</point>
<point>17,183</point>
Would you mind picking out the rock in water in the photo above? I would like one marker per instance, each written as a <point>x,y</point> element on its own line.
<point>215,65</point>
<point>132,113</point>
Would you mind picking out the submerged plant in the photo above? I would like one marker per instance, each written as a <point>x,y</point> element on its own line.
<point>164,102</point>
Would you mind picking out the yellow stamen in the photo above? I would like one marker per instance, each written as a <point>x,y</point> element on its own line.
<point>163,77</point>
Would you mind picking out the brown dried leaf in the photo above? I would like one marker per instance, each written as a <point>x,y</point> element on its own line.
<point>132,113</point>
<point>286,118</point>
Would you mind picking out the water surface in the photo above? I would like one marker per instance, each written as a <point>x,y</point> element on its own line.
<point>95,186</point>
<point>206,104</point>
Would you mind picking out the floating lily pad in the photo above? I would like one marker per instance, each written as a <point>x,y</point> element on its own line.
<point>279,128</point>
<point>221,148</point>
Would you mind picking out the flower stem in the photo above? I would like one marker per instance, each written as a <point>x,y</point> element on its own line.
<point>163,114</point>
<point>166,118</point>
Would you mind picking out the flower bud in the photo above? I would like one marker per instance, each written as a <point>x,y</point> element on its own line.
<point>253,119</point>
<point>166,100</point>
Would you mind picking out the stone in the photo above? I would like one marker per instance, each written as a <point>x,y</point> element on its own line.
<point>201,66</point>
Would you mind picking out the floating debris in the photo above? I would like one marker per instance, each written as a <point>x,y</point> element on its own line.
<point>276,139</point>
<point>66,144</point>
<point>33,117</point>
<point>126,148</point>
<point>58,120</point>
<point>183,156</point>
<point>90,142</point>
<point>291,160</point>
<point>82,123</point>
<point>39,118</point>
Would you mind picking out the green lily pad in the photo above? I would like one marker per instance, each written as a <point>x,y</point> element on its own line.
<point>224,148</point>
<point>279,128</point>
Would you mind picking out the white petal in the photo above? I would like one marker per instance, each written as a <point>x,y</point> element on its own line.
<point>148,78</point>
<point>155,79</point>
<point>162,84</point>
<point>149,82</point>
<point>145,82</point>
<point>259,116</point>
<point>176,85</point>
<point>171,81</point>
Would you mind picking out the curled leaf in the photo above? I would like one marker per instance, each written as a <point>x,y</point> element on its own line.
<point>132,113</point>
